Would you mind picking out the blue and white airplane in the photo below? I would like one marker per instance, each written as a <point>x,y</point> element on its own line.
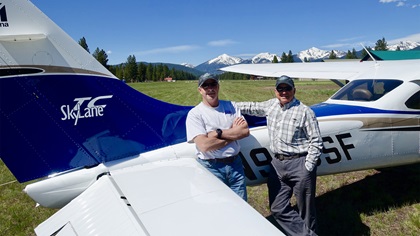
<point>116,161</point>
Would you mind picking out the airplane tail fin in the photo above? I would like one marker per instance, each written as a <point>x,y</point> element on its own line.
<point>28,37</point>
<point>60,109</point>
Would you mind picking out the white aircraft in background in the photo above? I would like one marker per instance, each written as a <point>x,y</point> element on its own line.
<point>116,162</point>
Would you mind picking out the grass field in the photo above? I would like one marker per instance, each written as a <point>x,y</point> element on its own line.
<point>369,202</point>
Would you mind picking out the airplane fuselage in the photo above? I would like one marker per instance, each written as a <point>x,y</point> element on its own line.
<point>351,142</point>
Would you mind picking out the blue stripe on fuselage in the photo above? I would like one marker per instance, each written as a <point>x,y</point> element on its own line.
<point>327,109</point>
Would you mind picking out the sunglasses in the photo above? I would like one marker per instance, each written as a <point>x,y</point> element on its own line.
<point>284,89</point>
<point>208,85</point>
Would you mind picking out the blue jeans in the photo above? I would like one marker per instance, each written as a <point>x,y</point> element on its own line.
<point>232,174</point>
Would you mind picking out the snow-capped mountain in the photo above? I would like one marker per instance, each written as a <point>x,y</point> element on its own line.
<point>225,59</point>
<point>187,65</point>
<point>213,65</point>
<point>312,54</point>
<point>316,54</point>
<point>406,45</point>
<point>264,57</point>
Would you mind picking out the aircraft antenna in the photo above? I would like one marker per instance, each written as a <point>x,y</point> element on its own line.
<point>368,53</point>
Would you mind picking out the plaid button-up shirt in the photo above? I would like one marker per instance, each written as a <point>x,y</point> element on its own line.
<point>292,128</point>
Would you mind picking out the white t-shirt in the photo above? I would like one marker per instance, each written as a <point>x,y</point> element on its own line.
<point>203,119</point>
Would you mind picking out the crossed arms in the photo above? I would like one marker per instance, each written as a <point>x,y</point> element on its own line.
<point>208,142</point>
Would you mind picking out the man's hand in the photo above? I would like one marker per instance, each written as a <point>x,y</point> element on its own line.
<point>239,129</point>
<point>239,121</point>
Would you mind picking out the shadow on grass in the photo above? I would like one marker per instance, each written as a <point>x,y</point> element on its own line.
<point>338,211</point>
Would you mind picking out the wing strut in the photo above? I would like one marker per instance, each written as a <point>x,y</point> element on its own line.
<point>337,82</point>
<point>368,53</point>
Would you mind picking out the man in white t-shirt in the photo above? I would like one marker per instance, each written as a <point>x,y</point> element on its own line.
<point>215,126</point>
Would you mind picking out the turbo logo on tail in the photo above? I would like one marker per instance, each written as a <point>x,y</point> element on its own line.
<point>78,112</point>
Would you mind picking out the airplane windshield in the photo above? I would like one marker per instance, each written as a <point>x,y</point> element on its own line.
<point>366,90</point>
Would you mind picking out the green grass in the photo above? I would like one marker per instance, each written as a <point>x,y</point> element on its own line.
<point>367,202</point>
<point>18,213</point>
<point>185,92</point>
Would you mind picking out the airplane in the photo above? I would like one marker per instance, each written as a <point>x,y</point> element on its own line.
<point>116,161</point>
<point>372,122</point>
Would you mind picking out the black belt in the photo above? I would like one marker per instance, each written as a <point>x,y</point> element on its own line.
<point>282,157</point>
<point>225,160</point>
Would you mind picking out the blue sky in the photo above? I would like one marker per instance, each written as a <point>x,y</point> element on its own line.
<point>194,31</point>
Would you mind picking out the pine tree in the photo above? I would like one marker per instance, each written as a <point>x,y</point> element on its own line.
<point>364,53</point>
<point>351,55</point>
<point>381,45</point>
<point>118,71</point>
<point>354,53</point>
<point>149,72</point>
<point>283,58</point>
<point>101,57</point>
<point>141,72</point>
<point>348,55</point>
<point>130,70</point>
<point>332,55</point>
<point>82,42</point>
<point>290,57</point>
<point>275,60</point>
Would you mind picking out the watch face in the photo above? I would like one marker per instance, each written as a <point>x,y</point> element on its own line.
<point>219,133</point>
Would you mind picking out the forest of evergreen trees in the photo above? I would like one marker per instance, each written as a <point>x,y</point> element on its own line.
<point>132,71</point>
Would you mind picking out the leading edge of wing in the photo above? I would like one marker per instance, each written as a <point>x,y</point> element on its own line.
<point>312,70</point>
<point>176,197</point>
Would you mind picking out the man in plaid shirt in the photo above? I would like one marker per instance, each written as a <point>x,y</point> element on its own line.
<point>296,142</point>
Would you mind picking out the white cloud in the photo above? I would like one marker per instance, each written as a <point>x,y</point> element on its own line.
<point>348,46</point>
<point>388,1</point>
<point>174,49</point>
<point>221,43</point>
<point>350,39</point>
<point>346,43</point>
<point>336,45</point>
<point>413,38</point>
<point>401,3</point>
<point>349,43</point>
<point>242,55</point>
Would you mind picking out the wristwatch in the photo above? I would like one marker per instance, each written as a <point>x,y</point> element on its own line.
<point>219,133</point>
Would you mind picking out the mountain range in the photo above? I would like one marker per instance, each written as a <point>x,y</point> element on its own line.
<point>312,54</point>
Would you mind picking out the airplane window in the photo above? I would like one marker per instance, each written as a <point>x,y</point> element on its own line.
<point>366,90</point>
<point>383,87</point>
<point>414,101</point>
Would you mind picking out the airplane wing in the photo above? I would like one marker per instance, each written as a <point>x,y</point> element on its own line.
<point>312,70</point>
<point>343,70</point>
<point>175,197</point>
